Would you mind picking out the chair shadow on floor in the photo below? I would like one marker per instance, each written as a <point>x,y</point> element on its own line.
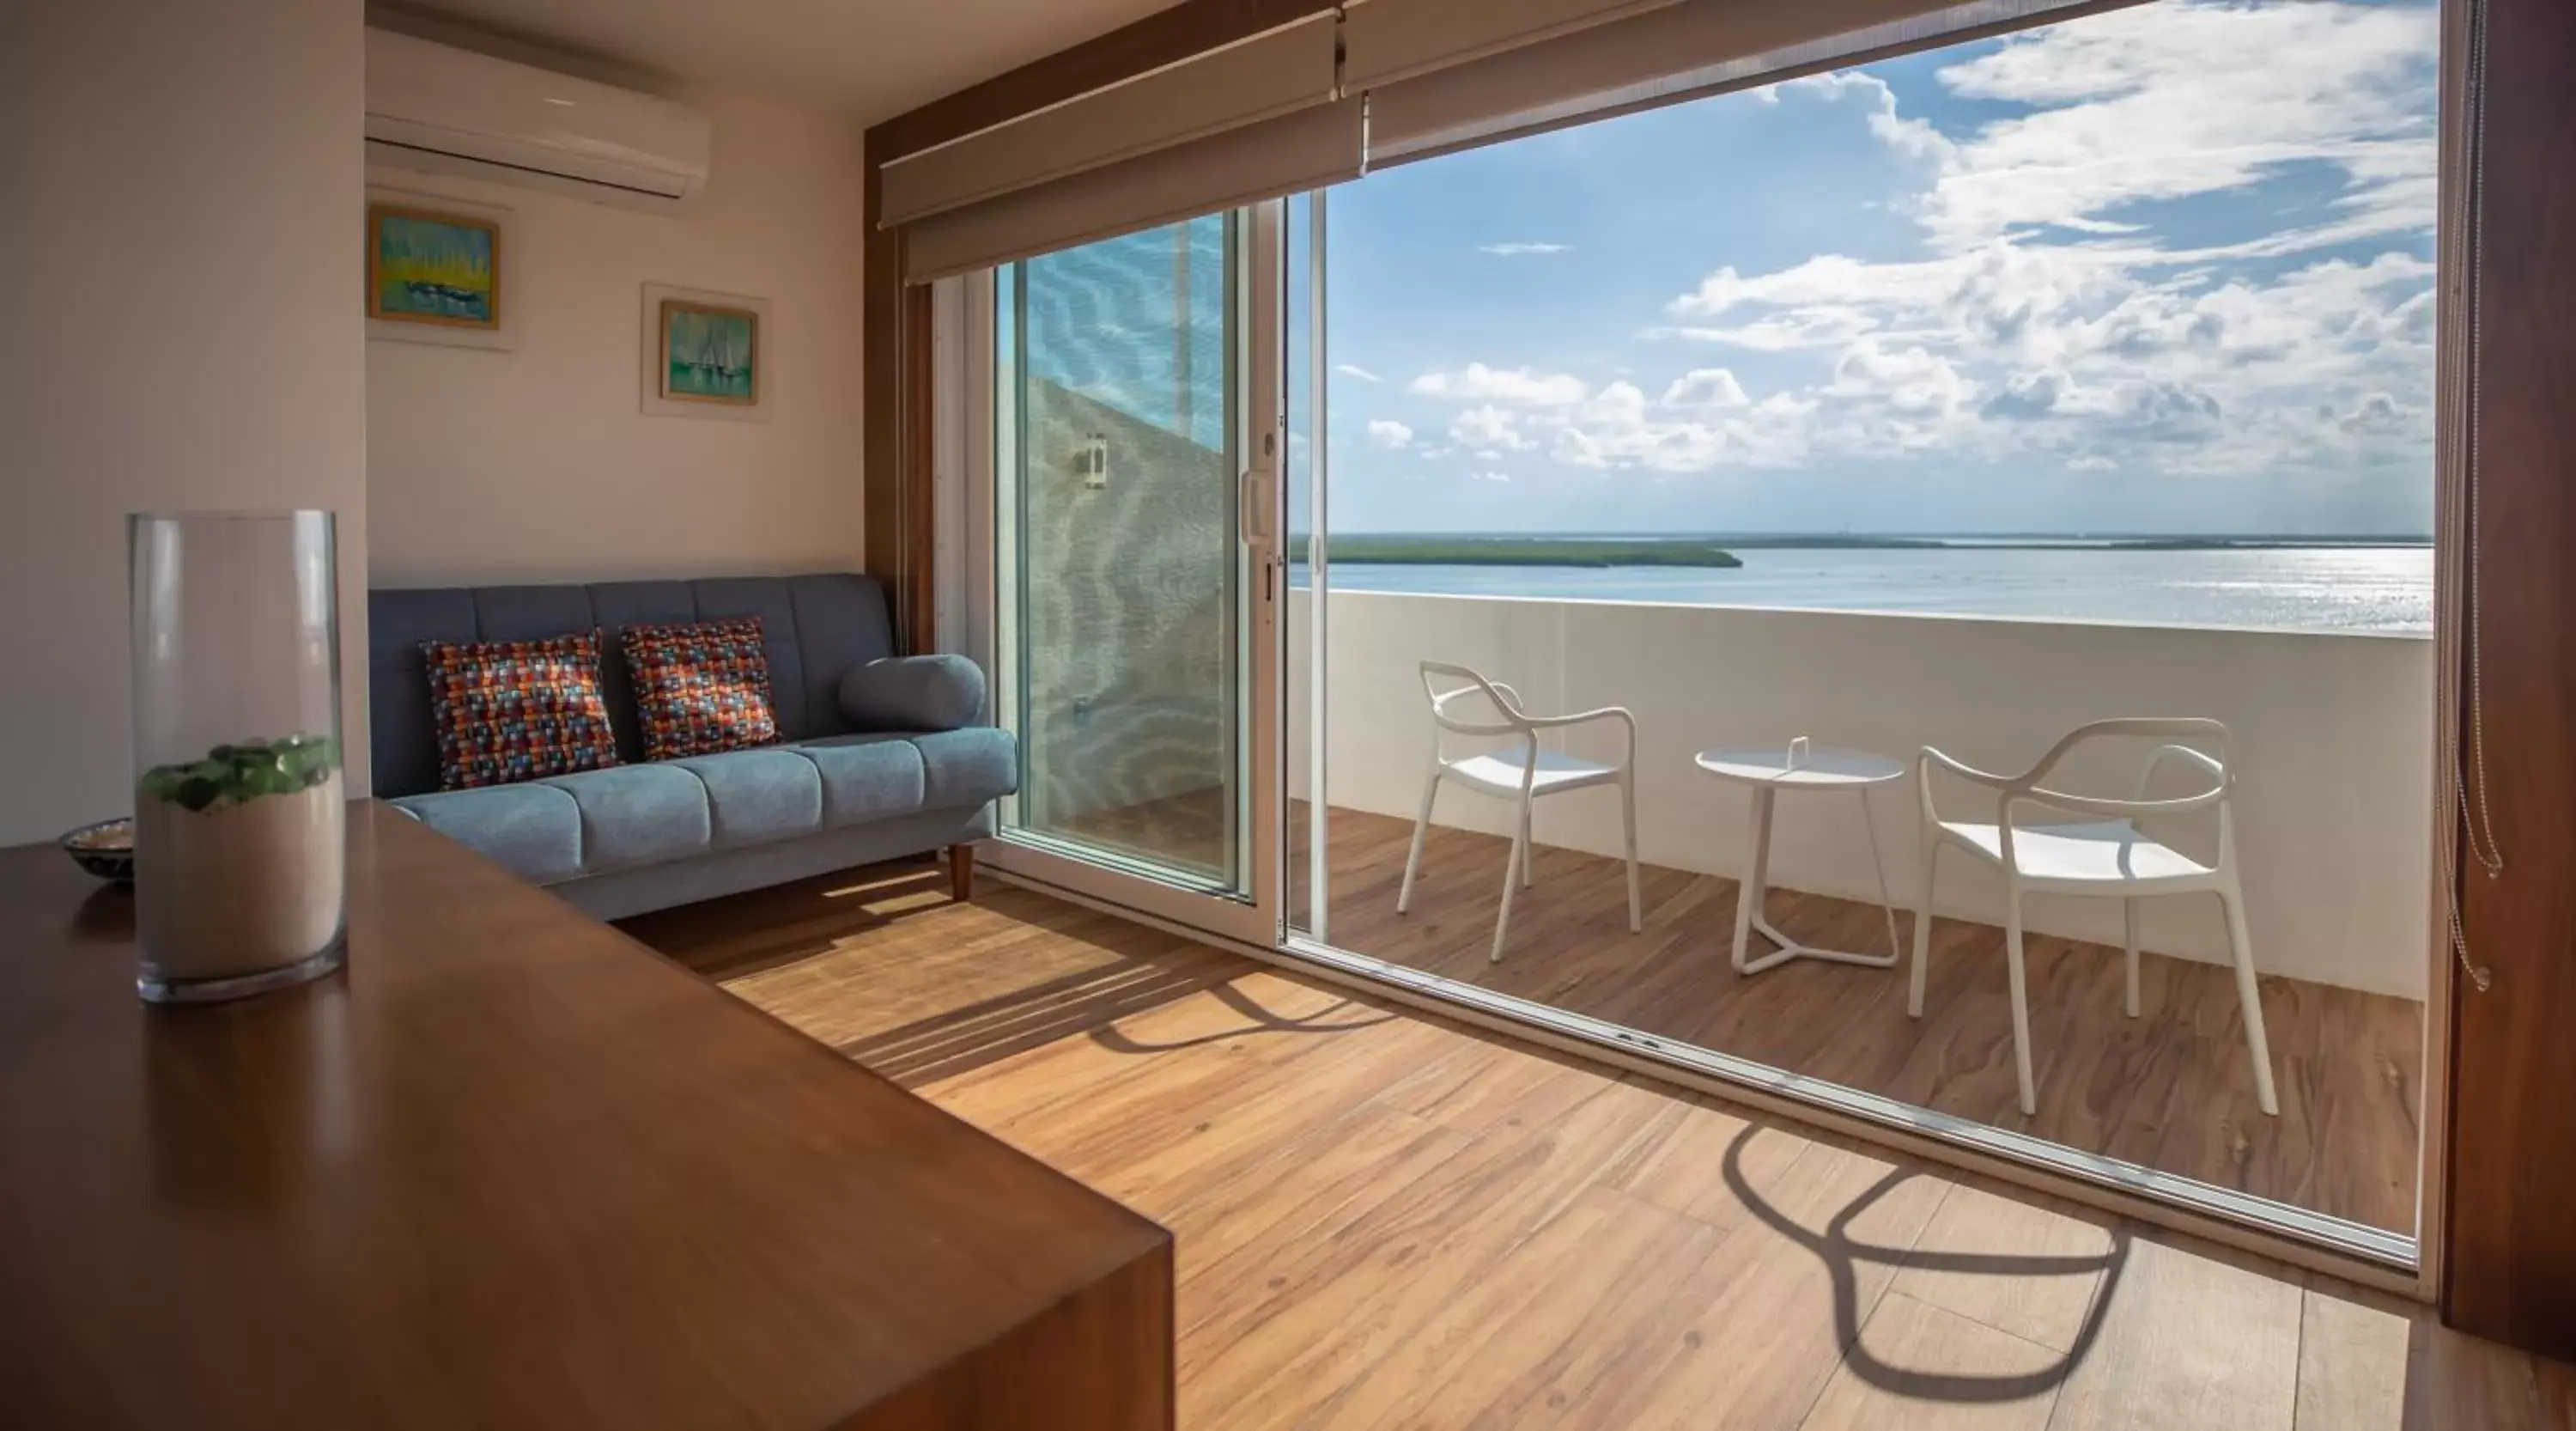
<point>738,936</point>
<point>1096,1003</point>
<point>1842,1255</point>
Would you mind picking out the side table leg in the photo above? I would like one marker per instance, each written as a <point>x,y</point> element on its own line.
<point>1748,894</point>
<point>1886,903</point>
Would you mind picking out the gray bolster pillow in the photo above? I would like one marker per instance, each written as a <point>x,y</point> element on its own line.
<point>913,693</point>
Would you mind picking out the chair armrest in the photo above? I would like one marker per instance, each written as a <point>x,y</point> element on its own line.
<point>1620,714</point>
<point>913,693</point>
<point>1930,758</point>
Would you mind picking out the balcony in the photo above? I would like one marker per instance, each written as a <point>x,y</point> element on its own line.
<point>2332,743</point>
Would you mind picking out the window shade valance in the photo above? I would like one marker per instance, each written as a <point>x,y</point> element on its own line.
<point>1384,41</point>
<point>1309,149</point>
<point>1324,99</point>
<point>1262,78</point>
<point>1667,55</point>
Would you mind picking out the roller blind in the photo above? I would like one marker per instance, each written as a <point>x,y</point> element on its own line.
<point>1262,78</point>
<point>1388,40</point>
<point>1416,78</point>
<point>1666,55</point>
<point>1309,149</point>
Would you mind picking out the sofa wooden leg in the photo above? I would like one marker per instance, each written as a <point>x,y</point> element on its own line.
<point>961,872</point>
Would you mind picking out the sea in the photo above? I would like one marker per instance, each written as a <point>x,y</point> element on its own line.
<point>2303,587</point>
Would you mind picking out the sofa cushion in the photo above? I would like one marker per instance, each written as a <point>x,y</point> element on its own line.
<point>959,768</point>
<point>865,777</point>
<point>615,606</point>
<point>758,795</point>
<point>966,767</point>
<point>701,688</point>
<point>912,693</point>
<point>771,601</point>
<point>508,711</point>
<point>533,831</point>
<point>638,814</point>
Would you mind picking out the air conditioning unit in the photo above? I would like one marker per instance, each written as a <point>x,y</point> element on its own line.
<point>437,109</point>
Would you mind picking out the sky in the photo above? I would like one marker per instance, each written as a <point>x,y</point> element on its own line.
<point>2167,269</point>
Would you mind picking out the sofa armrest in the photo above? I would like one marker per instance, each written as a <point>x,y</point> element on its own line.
<point>913,693</point>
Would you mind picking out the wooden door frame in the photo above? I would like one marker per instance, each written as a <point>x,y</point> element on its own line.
<point>2500,1143</point>
<point>2507,1259</point>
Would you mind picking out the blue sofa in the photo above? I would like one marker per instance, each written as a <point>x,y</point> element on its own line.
<point>877,757</point>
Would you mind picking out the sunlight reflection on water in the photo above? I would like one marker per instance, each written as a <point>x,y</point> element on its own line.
<point>2380,589</point>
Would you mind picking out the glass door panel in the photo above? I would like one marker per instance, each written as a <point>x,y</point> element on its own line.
<point>1129,598</point>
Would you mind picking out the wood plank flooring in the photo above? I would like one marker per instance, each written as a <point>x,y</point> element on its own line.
<point>2172,1089</point>
<point>1387,1221</point>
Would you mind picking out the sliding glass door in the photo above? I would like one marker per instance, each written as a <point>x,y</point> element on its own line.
<point>1714,537</point>
<point>1135,431</point>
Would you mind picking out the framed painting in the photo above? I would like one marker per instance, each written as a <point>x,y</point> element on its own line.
<point>707,354</point>
<point>433,267</point>
<point>710,353</point>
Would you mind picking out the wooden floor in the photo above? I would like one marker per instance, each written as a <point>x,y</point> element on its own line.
<point>1386,1221</point>
<point>2172,1089</point>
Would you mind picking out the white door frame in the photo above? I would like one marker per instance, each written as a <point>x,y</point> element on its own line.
<point>963,323</point>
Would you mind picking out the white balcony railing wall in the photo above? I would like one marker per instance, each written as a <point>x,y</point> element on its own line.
<point>2333,745</point>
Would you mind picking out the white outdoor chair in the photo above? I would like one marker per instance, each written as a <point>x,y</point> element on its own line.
<point>1521,773</point>
<point>2103,856</point>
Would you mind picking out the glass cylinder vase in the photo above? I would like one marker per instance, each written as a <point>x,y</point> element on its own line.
<point>240,815</point>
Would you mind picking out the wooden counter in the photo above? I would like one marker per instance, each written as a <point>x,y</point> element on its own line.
<point>511,1169</point>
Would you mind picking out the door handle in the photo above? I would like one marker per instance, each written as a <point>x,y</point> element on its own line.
<point>1250,519</point>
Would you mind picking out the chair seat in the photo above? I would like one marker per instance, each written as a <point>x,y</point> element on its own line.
<point>1501,773</point>
<point>2095,852</point>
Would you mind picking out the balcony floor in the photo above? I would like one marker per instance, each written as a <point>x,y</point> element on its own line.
<point>2172,1089</point>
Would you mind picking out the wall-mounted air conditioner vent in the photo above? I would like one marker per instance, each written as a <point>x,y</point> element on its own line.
<point>438,109</point>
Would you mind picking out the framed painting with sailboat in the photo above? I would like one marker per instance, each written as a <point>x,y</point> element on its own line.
<point>705,354</point>
<point>710,354</point>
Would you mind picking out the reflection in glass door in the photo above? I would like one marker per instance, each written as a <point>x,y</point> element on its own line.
<point>1127,594</point>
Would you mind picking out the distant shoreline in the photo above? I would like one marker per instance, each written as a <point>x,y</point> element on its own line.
<point>1718,551</point>
<point>1396,549</point>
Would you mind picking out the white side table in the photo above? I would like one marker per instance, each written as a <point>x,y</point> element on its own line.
<point>1801,767</point>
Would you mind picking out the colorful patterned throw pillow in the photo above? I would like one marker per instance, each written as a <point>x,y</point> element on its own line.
<point>508,711</point>
<point>700,689</point>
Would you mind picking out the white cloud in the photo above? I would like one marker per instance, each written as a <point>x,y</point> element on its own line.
<point>1820,326</point>
<point>1354,370</point>
<point>1389,433</point>
<point>1520,250</point>
<point>1622,403</point>
<point>1705,387</point>
<point>1711,425</point>
<point>1491,476</point>
<point>1488,430</point>
<point>1913,137</point>
<point>2183,99</point>
<point>1910,380</point>
<point>1476,383</point>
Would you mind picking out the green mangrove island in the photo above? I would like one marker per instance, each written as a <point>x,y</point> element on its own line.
<point>1386,548</point>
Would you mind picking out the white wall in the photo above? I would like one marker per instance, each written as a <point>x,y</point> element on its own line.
<point>182,268</point>
<point>2333,745</point>
<point>538,464</point>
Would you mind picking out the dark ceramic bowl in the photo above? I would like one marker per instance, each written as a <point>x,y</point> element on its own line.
<point>105,849</point>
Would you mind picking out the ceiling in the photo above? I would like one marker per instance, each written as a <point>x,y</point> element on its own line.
<point>868,59</point>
